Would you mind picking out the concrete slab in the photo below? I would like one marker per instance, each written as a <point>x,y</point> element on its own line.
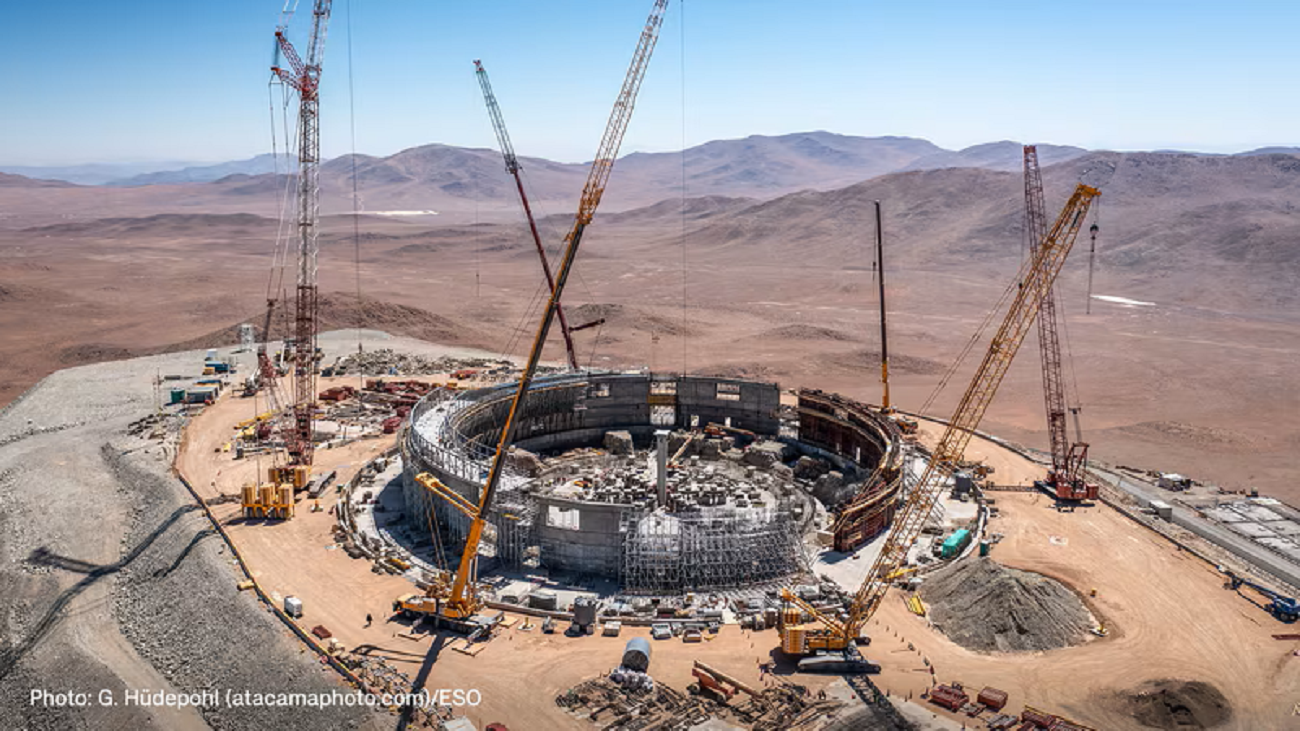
<point>1257,513</point>
<point>1285,527</point>
<point>1224,515</point>
<point>1283,546</point>
<point>1254,530</point>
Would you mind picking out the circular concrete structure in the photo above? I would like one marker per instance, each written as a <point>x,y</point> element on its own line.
<point>733,509</point>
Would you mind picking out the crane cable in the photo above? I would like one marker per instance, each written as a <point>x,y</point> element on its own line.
<point>977,336</point>
<point>356,200</point>
<point>681,14</point>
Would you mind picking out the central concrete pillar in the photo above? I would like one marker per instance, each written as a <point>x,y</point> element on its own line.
<point>661,447</point>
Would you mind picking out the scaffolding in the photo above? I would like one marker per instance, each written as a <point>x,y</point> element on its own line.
<point>714,548</point>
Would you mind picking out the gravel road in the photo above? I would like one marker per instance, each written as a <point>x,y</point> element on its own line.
<point>112,579</point>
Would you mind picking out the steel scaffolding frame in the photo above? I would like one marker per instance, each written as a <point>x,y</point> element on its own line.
<point>715,548</point>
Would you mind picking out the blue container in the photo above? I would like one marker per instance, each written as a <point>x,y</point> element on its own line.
<point>956,543</point>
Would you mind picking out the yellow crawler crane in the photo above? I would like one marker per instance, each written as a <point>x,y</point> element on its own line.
<point>829,644</point>
<point>455,603</point>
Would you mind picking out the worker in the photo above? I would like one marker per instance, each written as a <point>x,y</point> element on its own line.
<point>369,620</point>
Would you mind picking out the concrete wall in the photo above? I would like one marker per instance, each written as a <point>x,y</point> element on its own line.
<point>565,412</point>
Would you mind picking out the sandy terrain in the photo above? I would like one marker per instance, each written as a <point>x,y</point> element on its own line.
<point>1201,382</point>
<point>1166,611</point>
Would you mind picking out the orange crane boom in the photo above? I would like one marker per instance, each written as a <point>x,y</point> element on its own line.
<point>461,603</point>
<point>512,167</point>
<point>830,634</point>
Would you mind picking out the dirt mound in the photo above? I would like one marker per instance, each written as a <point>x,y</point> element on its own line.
<point>984,606</point>
<point>897,363</point>
<point>1175,704</point>
<point>805,332</point>
<point>92,353</point>
<point>1202,437</point>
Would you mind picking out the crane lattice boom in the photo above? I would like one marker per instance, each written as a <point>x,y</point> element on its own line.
<point>512,167</point>
<point>1048,341</point>
<point>460,603</point>
<point>919,503</point>
<point>1068,460</point>
<point>603,164</point>
<point>305,78</point>
<point>1045,265</point>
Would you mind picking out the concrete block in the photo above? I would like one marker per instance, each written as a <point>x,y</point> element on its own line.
<point>759,458</point>
<point>828,487</point>
<point>524,461</point>
<point>618,442</point>
<point>810,468</point>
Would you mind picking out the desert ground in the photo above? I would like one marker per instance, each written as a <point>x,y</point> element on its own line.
<point>1186,364</point>
<point>1167,614</point>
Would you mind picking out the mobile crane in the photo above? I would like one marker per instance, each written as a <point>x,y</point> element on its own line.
<point>827,643</point>
<point>455,602</point>
<point>304,77</point>
<point>1065,480</point>
<point>1283,608</point>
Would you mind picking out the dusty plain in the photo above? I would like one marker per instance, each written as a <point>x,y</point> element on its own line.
<point>1166,611</point>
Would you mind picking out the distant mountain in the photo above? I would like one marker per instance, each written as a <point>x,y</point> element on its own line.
<point>761,166</point>
<point>456,179</point>
<point>1167,221</point>
<point>1270,151</point>
<point>1005,155</point>
<point>264,163</point>
<point>91,173</point>
<point>22,181</point>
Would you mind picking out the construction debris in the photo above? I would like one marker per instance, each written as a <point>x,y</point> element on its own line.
<point>633,703</point>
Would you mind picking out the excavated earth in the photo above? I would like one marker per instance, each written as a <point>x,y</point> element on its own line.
<point>1174,704</point>
<point>985,606</point>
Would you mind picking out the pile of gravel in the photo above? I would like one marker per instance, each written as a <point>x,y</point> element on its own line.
<point>982,605</point>
<point>177,603</point>
<point>1175,704</point>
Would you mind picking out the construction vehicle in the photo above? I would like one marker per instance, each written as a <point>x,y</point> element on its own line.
<point>304,78</point>
<point>1066,479</point>
<point>829,644</point>
<point>1283,608</point>
<point>454,601</point>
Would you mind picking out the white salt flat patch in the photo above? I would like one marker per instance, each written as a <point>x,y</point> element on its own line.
<point>1122,301</point>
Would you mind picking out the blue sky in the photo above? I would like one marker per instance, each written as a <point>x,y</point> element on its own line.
<point>101,81</point>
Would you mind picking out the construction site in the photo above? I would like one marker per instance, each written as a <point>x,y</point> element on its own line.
<point>458,538</point>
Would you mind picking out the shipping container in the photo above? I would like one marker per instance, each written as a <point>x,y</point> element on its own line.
<point>948,697</point>
<point>200,395</point>
<point>1042,720</point>
<point>956,543</point>
<point>993,698</point>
